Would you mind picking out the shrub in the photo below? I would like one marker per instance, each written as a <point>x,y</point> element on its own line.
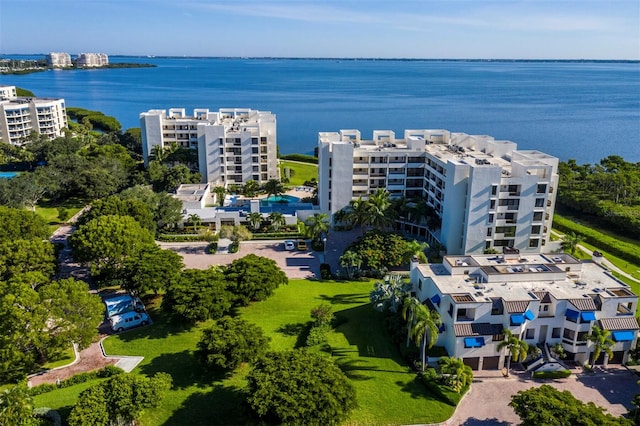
<point>234,247</point>
<point>325,271</point>
<point>317,335</point>
<point>558,374</point>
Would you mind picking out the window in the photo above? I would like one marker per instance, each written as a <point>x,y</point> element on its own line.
<point>494,189</point>
<point>488,232</point>
<point>491,218</point>
<point>537,216</point>
<point>530,333</point>
<point>582,336</point>
<point>497,308</point>
<point>555,333</point>
<point>568,334</point>
<point>420,285</point>
<point>451,310</point>
<point>534,242</point>
<point>535,229</point>
<point>539,202</point>
<point>542,188</point>
<point>497,337</point>
<point>492,204</point>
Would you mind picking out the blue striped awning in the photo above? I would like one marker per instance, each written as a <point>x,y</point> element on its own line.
<point>622,336</point>
<point>529,315</point>
<point>588,316</point>
<point>473,342</point>
<point>571,314</point>
<point>435,299</point>
<point>517,319</point>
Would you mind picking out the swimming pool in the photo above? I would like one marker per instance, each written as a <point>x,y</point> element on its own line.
<point>8,175</point>
<point>282,199</point>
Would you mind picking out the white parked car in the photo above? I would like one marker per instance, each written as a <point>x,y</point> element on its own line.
<point>129,320</point>
<point>289,245</point>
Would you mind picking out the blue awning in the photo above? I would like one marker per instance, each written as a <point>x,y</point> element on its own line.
<point>571,314</point>
<point>622,336</point>
<point>473,342</point>
<point>436,299</point>
<point>529,315</point>
<point>588,316</point>
<point>517,319</point>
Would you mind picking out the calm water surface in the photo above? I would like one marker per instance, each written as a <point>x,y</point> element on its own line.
<point>584,111</point>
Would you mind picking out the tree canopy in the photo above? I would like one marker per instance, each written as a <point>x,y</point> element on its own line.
<point>380,249</point>
<point>154,269</point>
<point>254,278</point>
<point>299,387</point>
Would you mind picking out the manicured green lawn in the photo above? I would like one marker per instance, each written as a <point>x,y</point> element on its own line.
<point>49,210</point>
<point>387,390</point>
<point>67,358</point>
<point>302,172</point>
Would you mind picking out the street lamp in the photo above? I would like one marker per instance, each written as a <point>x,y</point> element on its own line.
<point>324,248</point>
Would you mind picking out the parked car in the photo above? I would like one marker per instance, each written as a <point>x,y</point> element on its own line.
<point>289,245</point>
<point>302,245</point>
<point>129,320</point>
<point>121,303</point>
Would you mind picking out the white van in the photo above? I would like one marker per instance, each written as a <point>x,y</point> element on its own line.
<point>128,320</point>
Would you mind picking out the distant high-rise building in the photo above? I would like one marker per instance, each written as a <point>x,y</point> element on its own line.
<point>19,116</point>
<point>59,60</point>
<point>87,60</point>
<point>234,145</point>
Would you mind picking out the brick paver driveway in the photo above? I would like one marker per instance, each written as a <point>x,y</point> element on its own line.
<point>487,403</point>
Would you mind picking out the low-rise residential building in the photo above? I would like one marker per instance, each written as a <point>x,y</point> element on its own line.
<point>234,145</point>
<point>19,116</point>
<point>487,193</point>
<point>543,299</point>
<point>89,60</point>
<point>59,60</point>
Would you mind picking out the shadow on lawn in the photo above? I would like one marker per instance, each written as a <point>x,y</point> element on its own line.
<point>222,406</point>
<point>343,299</point>
<point>300,329</point>
<point>184,369</point>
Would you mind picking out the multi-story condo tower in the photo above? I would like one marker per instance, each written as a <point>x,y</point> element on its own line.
<point>59,60</point>
<point>20,116</point>
<point>487,193</point>
<point>87,60</point>
<point>543,299</point>
<point>234,145</point>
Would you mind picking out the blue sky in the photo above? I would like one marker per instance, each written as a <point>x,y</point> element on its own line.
<point>567,29</point>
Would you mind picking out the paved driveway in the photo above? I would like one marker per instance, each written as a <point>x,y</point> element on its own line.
<point>488,401</point>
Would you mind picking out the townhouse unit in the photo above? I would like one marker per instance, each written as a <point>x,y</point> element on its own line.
<point>234,145</point>
<point>543,299</point>
<point>487,193</point>
<point>88,60</point>
<point>19,116</point>
<point>59,60</point>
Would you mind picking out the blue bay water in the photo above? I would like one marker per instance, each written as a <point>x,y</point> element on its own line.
<point>580,110</point>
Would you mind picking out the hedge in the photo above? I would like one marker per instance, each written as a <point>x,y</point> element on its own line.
<point>108,371</point>
<point>276,236</point>
<point>558,374</point>
<point>442,392</point>
<point>622,249</point>
<point>180,238</point>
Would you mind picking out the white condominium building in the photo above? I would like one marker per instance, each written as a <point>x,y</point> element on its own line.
<point>234,145</point>
<point>59,60</point>
<point>20,116</point>
<point>487,194</point>
<point>92,60</point>
<point>543,299</point>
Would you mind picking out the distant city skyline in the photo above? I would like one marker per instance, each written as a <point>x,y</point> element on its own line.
<point>480,29</point>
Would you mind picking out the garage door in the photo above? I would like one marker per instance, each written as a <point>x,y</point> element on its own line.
<point>617,357</point>
<point>472,362</point>
<point>490,362</point>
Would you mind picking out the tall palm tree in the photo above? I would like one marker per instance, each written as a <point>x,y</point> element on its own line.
<point>570,242</point>
<point>409,306</point>
<point>277,220</point>
<point>517,349</point>
<point>220,192</point>
<point>458,375</point>
<point>601,343</point>
<point>317,226</point>
<point>255,220</point>
<point>351,261</point>
<point>389,293</point>
<point>273,187</point>
<point>380,214</point>
<point>195,221</point>
<point>425,329</point>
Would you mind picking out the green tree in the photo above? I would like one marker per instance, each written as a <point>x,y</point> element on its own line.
<point>410,305</point>
<point>106,242</point>
<point>379,213</point>
<point>545,405</point>
<point>255,220</point>
<point>277,220</point>
<point>220,192</point>
<point>317,227</point>
<point>117,206</point>
<point>299,387</point>
<point>570,242</point>
<point>16,407</point>
<point>228,342</point>
<point>22,256</point>
<point>167,210</point>
<point>20,224</point>
<point>351,261</point>
<point>388,294</point>
<point>355,214</point>
<point>254,278</point>
<point>380,249</point>
<point>154,269</point>
<point>251,188</point>
<point>322,315</point>
<point>457,375</point>
<point>602,342</point>
<point>120,399</point>
<point>273,187</point>
<point>195,221</point>
<point>237,233</point>
<point>425,329</point>
<point>198,295</point>
<point>517,349</point>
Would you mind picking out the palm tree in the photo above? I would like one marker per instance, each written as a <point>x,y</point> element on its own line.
<point>458,374</point>
<point>356,214</point>
<point>317,226</point>
<point>251,188</point>
<point>220,192</point>
<point>389,293</point>
<point>277,220</point>
<point>409,307</point>
<point>601,343</point>
<point>379,209</point>
<point>351,261</point>
<point>425,329</point>
<point>570,242</point>
<point>255,220</point>
<point>273,187</point>
<point>517,348</point>
<point>195,221</point>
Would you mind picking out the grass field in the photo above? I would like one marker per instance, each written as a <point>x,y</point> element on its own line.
<point>302,172</point>
<point>49,210</point>
<point>387,390</point>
